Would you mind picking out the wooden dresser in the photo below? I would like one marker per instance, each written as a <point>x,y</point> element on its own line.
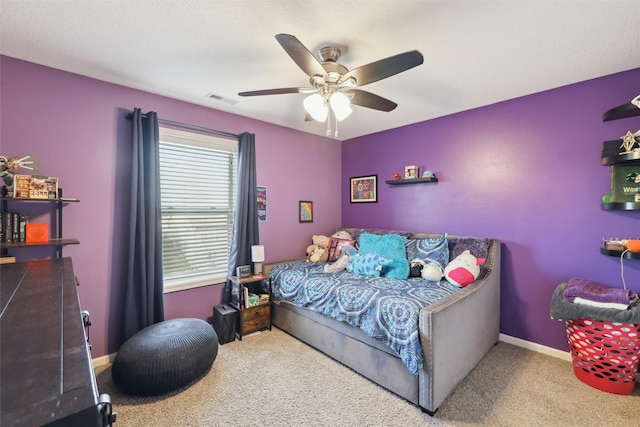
<point>46,375</point>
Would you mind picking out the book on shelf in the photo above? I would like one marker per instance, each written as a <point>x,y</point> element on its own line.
<point>245,295</point>
<point>237,295</point>
<point>13,226</point>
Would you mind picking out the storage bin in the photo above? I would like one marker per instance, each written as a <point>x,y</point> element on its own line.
<point>224,322</point>
<point>605,355</point>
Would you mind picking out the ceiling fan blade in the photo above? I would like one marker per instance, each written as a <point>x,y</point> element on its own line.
<point>370,100</point>
<point>384,68</point>
<point>301,55</point>
<point>281,91</point>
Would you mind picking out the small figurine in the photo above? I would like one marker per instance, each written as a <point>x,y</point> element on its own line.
<point>396,175</point>
<point>7,165</point>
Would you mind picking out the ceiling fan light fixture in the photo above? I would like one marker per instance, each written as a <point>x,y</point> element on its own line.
<point>341,105</point>
<point>316,106</point>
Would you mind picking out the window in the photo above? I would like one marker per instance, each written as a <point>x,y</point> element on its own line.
<point>198,183</point>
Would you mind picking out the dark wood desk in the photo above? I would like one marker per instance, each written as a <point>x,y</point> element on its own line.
<point>46,375</point>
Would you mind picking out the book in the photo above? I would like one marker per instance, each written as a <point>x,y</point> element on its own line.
<point>22,227</point>
<point>43,187</point>
<point>245,294</point>
<point>8,229</point>
<point>15,226</point>
<point>21,186</point>
<point>236,294</point>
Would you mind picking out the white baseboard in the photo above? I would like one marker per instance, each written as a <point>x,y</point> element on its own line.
<point>549,351</point>
<point>103,360</point>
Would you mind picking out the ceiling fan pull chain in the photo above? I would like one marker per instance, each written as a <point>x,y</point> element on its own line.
<point>329,123</point>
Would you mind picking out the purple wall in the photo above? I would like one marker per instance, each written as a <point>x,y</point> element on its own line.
<point>75,128</point>
<point>526,171</point>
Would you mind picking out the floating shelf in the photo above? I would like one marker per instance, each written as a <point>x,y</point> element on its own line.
<point>621,112</point>
<point>50,242</point>
<point>621,158</point>
<point>22,199</point>
<point>410,181</point>
<point>613,253</point>
<point>621,206</point>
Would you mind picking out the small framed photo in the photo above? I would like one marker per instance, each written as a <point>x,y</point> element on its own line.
<point>305,210</point>
<point>364,189</point>
<point>411,172</point>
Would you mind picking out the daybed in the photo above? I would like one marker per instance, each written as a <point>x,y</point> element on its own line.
<point>454,333</point>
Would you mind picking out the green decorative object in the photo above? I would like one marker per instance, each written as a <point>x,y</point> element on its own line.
<point>606,198</point>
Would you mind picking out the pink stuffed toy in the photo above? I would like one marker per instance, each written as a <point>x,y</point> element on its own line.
<point>463,269</point>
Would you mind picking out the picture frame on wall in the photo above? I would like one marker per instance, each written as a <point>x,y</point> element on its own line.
<point>364,189</point>
<point>411,172</point>
<point>305,211</point>
<point>261,199</point>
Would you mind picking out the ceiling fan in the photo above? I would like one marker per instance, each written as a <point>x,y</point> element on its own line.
<point>333,86</point>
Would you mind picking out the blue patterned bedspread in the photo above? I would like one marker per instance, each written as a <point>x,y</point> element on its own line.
<point>385,309</point>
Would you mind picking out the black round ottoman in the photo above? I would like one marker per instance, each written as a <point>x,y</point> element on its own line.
<point>165,357</point>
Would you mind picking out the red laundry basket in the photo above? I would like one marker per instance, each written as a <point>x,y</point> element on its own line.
<point>605,355</point>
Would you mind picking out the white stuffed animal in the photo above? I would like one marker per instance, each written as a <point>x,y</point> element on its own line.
<point>463,269</point>
<point>432,272</point>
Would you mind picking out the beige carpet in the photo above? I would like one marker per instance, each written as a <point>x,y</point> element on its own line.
<point>270,378</point>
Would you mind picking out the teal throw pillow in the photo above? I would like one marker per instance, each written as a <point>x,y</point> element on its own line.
<point>390,246</point>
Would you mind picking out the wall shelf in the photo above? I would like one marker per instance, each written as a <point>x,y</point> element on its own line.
<point>614,253</point>
<point>621,158</point>
<point>410,181</point>
<point>50,242</point>
<point>621,112</point>
<point>621,206</point>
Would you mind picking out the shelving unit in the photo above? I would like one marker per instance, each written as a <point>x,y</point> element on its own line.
<point>258,317</point>
<point>410,181</point>
<point>58,241</point>
<point>610,159</point>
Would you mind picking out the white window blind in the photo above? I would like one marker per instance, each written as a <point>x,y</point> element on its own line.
<point>198,183</point>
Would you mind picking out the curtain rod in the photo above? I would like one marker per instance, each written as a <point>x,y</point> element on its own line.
<point>219,133</point>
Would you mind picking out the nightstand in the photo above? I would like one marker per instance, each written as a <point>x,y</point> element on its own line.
<point>258,317</point>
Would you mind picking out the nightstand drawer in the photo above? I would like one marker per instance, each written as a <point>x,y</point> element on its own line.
<point>255,318</point>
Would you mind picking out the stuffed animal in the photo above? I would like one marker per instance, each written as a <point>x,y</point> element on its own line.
<point>343,260</point>
<point>432,272</point>
<point>319,250</point>
<point>415,267</point>
<point>368,264</point>
<point>463,269</point>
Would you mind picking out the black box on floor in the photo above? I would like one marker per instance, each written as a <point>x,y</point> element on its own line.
<point>224,322</point>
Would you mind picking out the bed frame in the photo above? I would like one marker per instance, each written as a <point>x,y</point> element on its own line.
<point>455,333</point>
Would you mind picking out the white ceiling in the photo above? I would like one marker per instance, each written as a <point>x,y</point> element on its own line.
<point>475,52</point>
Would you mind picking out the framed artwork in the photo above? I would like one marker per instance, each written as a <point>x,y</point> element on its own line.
<point>305,210</point>
<point>410,172</point>
<point>364,189</point>
<point>261,196</point>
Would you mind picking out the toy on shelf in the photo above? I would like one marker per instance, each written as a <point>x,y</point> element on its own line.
<point>7,165</point>
<point>632,245</point>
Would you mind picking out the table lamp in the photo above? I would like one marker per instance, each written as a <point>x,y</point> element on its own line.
<point>257,256</point>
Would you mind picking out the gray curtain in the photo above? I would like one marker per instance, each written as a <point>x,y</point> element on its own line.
<point>245,224</point>
<point>143,299</point>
